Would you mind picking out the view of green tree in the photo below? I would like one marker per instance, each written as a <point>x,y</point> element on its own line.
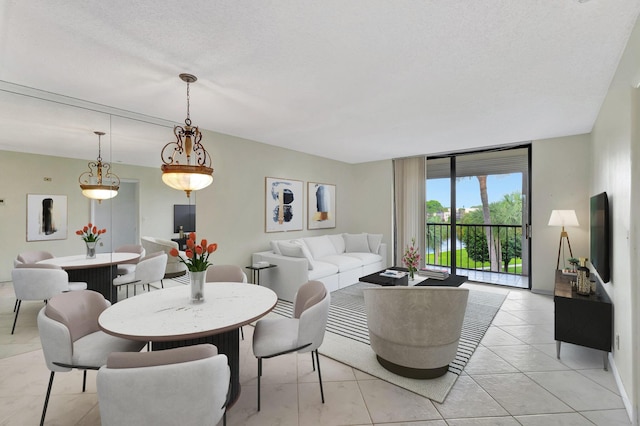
<point>507,242</point>
<point>434,207</point>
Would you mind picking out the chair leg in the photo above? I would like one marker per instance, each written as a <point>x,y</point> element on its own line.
<point>17,310</point>
<point>313,362</point>
<point>46,399</point>
<point>319,375</point>
<point>242,332</point>
<point>162,283</point>
<point>259,374</point>
<point>15,305</point>
<point>84,380</point>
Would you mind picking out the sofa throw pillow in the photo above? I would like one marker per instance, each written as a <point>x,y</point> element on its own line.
<point>295,248</point>
<point>275,247</point>
<point>338,242</point>
<point>374,242</point>
<point>320,246</point>
<point>356,243</point>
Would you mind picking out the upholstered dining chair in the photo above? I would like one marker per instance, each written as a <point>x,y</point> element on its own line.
<point>304,332</point>
<point>39,282</point>
<point>226,273</point>
<point>71,337</point>
<point>148,270</point>
<point>32,256</point>
<point>129,266</point>
<point>181,386</point>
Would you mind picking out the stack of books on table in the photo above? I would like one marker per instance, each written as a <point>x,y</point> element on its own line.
<point>436,274</point>
<point>392,273</point>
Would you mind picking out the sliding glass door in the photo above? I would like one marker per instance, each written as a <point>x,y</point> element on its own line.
<point>478,215</point>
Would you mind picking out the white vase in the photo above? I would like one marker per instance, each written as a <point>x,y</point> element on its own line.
<point>197,286</point>
<point>91,249</point>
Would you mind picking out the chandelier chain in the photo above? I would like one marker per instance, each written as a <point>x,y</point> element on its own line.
<point>188,120</point>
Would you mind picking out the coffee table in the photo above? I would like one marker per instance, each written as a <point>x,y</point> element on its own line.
<point>376,278</point>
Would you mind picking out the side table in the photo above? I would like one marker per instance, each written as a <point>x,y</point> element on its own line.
<point>255,272</point>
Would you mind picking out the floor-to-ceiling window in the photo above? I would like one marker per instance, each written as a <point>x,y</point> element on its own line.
<point>478,210</point>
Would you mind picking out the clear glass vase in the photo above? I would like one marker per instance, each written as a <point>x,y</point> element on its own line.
<point>197,285</point>
<point>91,249</point>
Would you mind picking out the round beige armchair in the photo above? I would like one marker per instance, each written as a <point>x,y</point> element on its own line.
<point>414,331</point>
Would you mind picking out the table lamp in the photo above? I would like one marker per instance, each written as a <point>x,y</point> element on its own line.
<point>563,218</point>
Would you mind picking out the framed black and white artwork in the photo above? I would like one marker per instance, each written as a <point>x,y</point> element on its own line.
<point>46,217</point>
<point>284,205</point>
<point>321,206</point>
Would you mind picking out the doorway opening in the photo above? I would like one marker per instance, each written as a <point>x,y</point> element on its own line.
<point>478,215</point>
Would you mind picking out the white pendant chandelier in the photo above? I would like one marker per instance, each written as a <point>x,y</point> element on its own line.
<point>187,165</point>
<point>99,183</point>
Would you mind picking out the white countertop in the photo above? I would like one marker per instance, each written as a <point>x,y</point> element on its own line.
<point>165,315</point>
<point>80,261</point>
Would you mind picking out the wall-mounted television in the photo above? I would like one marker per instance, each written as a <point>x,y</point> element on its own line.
<point>600,236</point>
<point>184,215</point>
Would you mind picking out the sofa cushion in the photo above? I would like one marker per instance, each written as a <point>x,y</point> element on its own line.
<point>275,247</point>
<point>338,242</point>
<point>343,262</point>
<point>356,243</point>
<point>320,246</point>
<point>321,270</point>
<point>374,241</point>
<point>366,258</point>
<point>296,248</point>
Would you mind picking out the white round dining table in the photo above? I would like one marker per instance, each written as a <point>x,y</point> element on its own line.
<point>97,272</point>
<point>167,318</point>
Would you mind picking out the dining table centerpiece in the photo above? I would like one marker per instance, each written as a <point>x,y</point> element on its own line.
<point>411,258</point>
<point>197,262</point>
<point>90,234</point>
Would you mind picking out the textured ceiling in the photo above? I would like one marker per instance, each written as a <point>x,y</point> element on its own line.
<point>352,80</point>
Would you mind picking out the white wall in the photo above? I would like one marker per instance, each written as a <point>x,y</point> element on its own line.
<point>614,149</point>
<point>560,181</point>
<point>230,212</point>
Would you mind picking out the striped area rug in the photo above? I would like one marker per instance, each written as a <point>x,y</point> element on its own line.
<point>347,337</point>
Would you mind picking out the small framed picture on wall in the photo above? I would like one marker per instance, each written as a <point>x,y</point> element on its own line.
<point>321,205</point>
<point>46,217</point>
<point>284,205</point>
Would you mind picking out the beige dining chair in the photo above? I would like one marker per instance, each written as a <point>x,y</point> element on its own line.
<point>33,256</point>
<point>226,273</point>
<point>39,281</point>
<point>71,337</point>
<point>185,386</point>
<point>148,270</point>
<point>304,332</point>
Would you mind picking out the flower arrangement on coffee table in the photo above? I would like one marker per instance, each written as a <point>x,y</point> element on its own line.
<point>411,258</point>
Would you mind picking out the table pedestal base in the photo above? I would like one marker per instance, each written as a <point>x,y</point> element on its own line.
<point>228,343</point>
<point>98,279</point>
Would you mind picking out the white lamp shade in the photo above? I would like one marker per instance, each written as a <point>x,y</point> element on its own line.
<point>99,192</point>
<point>563,218</point>
<point>189,181</point>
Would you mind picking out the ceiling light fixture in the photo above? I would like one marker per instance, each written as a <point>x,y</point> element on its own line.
<point>179,170</point>
<point>99,183</point>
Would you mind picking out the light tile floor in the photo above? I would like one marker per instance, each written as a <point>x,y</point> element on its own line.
<point>513,378</point>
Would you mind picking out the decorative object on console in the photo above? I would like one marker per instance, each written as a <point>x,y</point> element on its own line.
<point>178,171</point>
<point>563,218</point>
<point>283,205</point>
<point>411,258</point>
<point>46,217</point>
<point>90,234</point>
<point>321,206</point>
<point>99,183</point>
<point>197,262</point>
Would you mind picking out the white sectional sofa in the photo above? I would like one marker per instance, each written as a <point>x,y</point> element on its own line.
<point>337,260</point>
